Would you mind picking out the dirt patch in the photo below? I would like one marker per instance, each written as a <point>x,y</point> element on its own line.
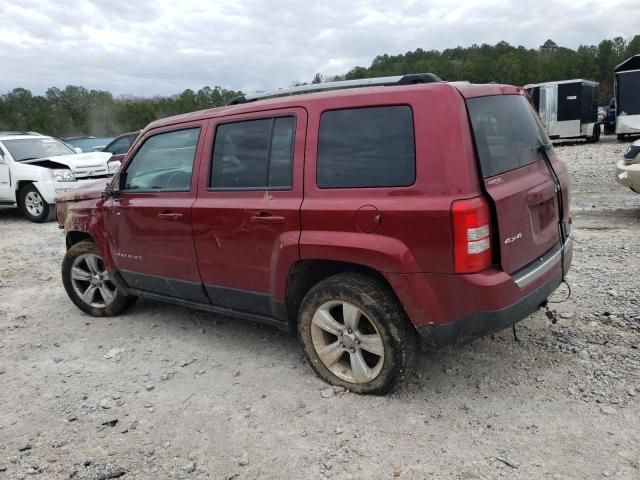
<point>166,392</point>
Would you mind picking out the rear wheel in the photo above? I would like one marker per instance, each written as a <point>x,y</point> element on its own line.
<point>355,333</point>
<point>34,206</point>
<point>89,284</point>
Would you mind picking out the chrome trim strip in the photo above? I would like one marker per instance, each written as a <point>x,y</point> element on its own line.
<point>547,264</point>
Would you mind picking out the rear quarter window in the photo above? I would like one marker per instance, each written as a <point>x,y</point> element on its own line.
<point>366,147</point>
<point>507,133</point>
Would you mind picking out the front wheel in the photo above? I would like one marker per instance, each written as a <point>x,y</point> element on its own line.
<point>34,206</point>
<point>355,333</point>
<point>89,284</point>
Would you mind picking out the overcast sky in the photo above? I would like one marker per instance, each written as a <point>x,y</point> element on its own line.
<point>145,47</point>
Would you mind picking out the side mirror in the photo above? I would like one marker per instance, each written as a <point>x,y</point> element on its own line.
<point>112,190</point>
<point>2,159</point>
<point>77,149</point>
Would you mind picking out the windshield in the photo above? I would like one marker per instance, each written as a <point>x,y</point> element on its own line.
<point>507,131</point>
<point>89,144</point>
<point>29,148</point>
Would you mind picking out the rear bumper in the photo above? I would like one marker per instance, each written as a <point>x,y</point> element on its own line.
<point>628,124</point>
<point>486,322</point>
<point>448,309</point>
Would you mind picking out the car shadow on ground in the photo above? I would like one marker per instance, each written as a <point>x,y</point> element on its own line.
<point>470,363</point>
<point>12,213</point>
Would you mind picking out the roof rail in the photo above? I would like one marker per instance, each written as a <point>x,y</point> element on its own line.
<point>408,79</point>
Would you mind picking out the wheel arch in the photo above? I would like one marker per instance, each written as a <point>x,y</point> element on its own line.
<point>306,273</point>
<point>20,184</point>
<point>74,237</point>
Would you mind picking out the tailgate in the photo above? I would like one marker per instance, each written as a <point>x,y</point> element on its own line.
<point>517,178</point>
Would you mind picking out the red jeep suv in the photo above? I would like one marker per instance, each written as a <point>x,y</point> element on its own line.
<point>363,215</point>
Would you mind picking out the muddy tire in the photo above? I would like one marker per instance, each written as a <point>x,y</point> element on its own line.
<point>34,206</point>
<point>355,333</point>
<point>88,283</point>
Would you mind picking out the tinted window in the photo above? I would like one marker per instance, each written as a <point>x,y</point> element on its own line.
<point>164,162</point>
<point>366,147</point>
<point>253,154</point>
<point>119,145</point>
<point>280,171</point>
<point>507,132</point>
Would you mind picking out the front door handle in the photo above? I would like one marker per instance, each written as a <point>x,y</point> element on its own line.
<point>170,216</point>
<point>267,219</point>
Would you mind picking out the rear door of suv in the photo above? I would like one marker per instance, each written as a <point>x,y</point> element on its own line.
<point>246,218</point>
<point>514,155</point>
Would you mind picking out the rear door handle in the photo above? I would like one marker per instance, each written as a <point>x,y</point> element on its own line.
<point>170,216</point>
<point>267,219</point>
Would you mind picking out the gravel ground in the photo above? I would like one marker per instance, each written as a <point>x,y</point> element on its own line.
<point>164,392</point>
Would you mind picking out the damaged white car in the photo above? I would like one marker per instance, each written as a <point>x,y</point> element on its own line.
<point>35,168</point>
<point>628,169</point>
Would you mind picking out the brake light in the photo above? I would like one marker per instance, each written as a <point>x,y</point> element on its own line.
<point>471,235</point>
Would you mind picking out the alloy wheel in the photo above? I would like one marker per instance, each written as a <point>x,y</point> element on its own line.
<point>347,342</point>
<point>91,281</point>
<point>34,203</point>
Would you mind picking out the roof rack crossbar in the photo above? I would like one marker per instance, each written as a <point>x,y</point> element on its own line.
<point>322,87</point>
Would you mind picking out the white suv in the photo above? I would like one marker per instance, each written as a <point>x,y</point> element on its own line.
<point>35,168</point>
<point>628,169</point>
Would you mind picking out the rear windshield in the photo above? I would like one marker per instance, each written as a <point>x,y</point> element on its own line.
<point>507,132</point>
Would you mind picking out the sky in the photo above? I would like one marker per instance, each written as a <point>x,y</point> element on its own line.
<point>161,47</point>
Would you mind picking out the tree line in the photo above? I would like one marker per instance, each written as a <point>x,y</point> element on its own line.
<point>504,63</point>
<point>76,110</point>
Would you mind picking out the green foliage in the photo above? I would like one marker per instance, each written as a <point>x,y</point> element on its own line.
<point>78,111</point>
<point>504,63</point>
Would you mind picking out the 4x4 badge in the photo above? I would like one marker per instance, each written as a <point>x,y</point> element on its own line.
<point>513,239</point>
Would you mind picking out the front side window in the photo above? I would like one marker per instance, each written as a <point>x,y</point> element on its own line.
<point>253,154</point>
<point>119,145</point>
<point>366,147</point>
<point>33,148</point>
<point>163,163</point>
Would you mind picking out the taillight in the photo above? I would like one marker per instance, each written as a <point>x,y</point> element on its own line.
<point>471,235</point>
